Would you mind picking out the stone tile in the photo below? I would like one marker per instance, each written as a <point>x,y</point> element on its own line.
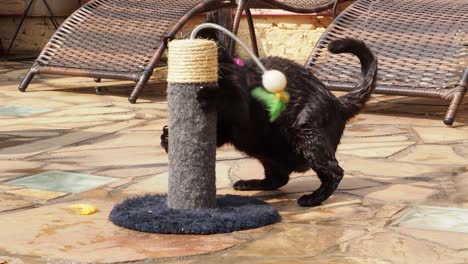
<point>298,240</point>
<point>61,181</point>
<point>37,194</point>
<point>374,131</point>
<point>133,171</point>
<point>375,139</point>
<point>311,183</point>
<point>40,146</point>
<point>229,152</point>
<point>387,168</point>
<point>120,139</point>
<point>53,232</point>
<point>396,248</point>
<point>395,193</point>
<point>336,214</point>
<point>14,110</point>
<point>350,260</point>
<point>65,166</point>
<point>429,185</point>
<point>10,202</point>
<point>41,101</point>
<point>222,176</point>
<point>435,218</point>
<point>16,74</point>
<point>20,166</point>
<point>89,111</point>
<point>246,169</point>
<point>120,183</point>
<point>433,154</point>
<point>107,158</point>
<point>153,125</point>
<point>70,120</point>
<point>431,135</point>
<point>227,259</point>
<point>385,213</point>
<point>461,149</point>
<point>72,98</point>
<point>230,190</point>
<point>287,204</point>
<point>12,260</point>
<point>352,183</point>
<point>35,134</point>
<point>300,185</point>
<point>402,120</point>
<point>461,186</point>
<point>159,183</point>
<point>55,126</point>
<point>9,188</point>
<point>452,240</point>
<point>373,149</point>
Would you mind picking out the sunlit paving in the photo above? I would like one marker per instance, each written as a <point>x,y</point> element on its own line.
<point>84,172</point>
<point>61,181</point>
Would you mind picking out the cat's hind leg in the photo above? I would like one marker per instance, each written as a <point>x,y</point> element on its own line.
<point>312,145</point>
<point>276,175</point>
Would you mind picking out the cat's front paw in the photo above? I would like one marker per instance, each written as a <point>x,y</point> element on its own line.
<point>165,139</point>
<point>207,97</point>
<point>254,185</point>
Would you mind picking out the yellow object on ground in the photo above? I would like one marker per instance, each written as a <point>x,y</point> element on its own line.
<point>84,209</point>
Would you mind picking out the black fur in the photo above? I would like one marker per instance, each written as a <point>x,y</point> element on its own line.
<point>305,135</point>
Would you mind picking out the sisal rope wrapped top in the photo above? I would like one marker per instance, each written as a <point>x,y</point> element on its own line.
<point>192,61</point>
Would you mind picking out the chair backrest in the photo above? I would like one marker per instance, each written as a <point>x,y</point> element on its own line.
<point>419,43</point>
<point>299,6</point>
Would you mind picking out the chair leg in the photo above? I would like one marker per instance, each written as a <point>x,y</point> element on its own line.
<point>235,24</point>
<point>52,17</point>
<point>457,98</point>
<point>253,37</point>
<point>335,7</point>
<point>24,84</point>
<point>139,86</point>
<point>25,13</point>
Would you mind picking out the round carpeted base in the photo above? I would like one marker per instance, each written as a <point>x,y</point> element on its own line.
<point>150,213</point>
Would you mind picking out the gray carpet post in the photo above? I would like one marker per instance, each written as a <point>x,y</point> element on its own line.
<point>191,205</point>
<point>192,140</point>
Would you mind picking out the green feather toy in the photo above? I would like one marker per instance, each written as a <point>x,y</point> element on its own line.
<point>275,103</point>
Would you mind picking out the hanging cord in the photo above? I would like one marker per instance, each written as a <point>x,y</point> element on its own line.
<point>272,94</point>
<point>230,34</point>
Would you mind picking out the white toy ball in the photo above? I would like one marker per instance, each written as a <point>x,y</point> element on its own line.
<point>274,81</point>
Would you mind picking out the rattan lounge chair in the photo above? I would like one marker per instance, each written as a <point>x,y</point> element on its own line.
<point>296,6</point>
<point>117,39</point>
<point>124,39</point>
<point>421,45</point>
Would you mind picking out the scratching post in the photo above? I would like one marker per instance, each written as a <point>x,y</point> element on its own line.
<point>191,205</point>
<point>193,64</point>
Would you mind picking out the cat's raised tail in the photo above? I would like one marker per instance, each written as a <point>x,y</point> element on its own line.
<point>355,100</point>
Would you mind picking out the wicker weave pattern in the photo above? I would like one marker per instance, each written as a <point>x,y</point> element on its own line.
<point>302,4</point>
<point>114,35</point>
<point>419,43</point>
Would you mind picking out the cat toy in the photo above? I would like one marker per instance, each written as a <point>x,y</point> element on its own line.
<point>191,205</point>
<point>272,94</point>
<point>84,209</point>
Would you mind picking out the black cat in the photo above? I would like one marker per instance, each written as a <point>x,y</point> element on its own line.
<point>307,132</point>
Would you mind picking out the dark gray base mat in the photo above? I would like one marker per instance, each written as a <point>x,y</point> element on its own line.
<point>150,213</point>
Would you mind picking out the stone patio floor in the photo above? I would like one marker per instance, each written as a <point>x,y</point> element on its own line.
<point>397,156</point>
